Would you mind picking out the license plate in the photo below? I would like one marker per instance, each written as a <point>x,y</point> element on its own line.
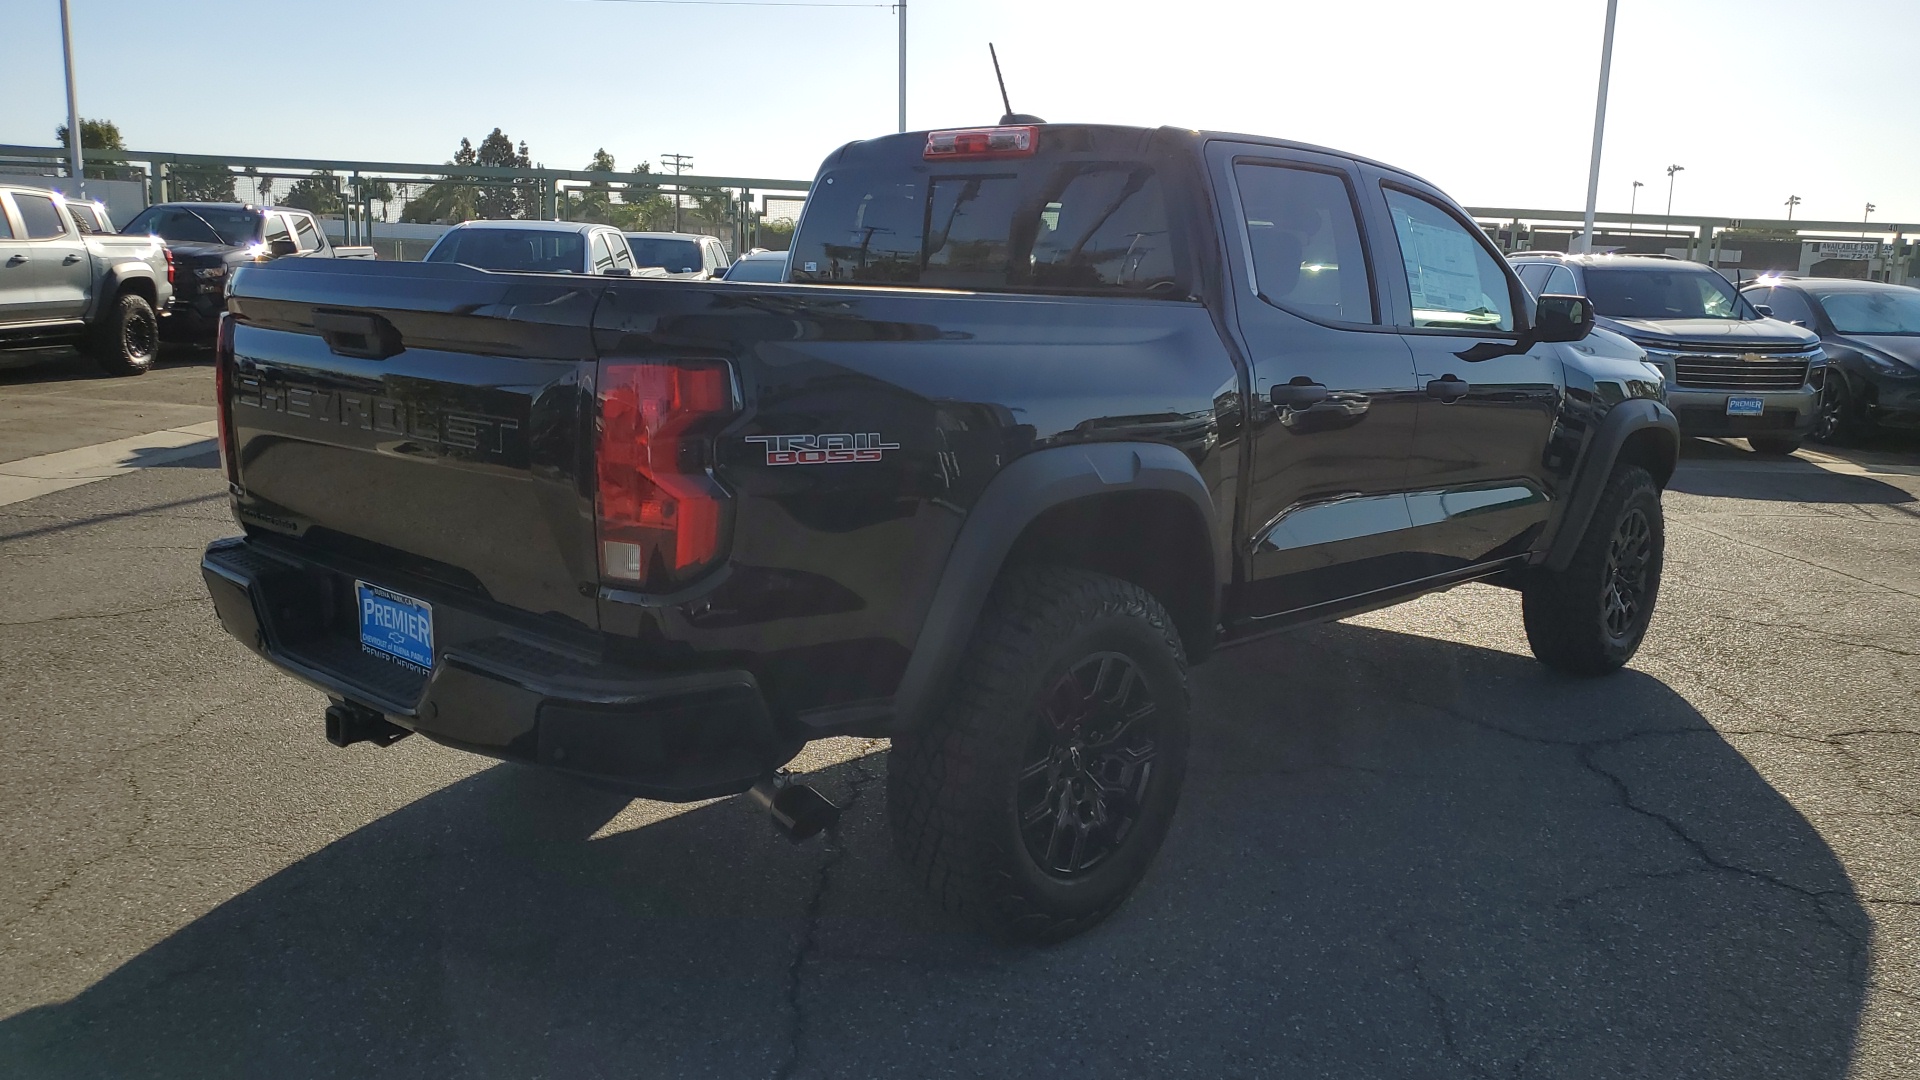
<point>395,627</point>
<point>1745,406</point>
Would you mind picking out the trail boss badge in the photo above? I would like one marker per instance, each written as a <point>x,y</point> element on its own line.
<point>823,449</point>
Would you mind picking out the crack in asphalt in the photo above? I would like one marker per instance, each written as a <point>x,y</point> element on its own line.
<point>1802,561</point>
<point>809,938</point>
<point>1437,1002</point>
<point>1824,635</point>
<point>107,614</point>
<point>67,879</point>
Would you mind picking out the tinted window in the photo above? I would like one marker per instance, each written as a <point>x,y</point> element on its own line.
<point>513,249</point>
<point>602,254</point>
<point>6,223</point>
<point>1893,311</point>
<point>622,255</point>
<point>1788,306</point>
<point>276,229</point>
<point>198,225</point>
<point>1096,227</point>
<point>1455,282</point>
<point>1533,275</point>
<point>1305,241</point>
<point>1561,283</point>
<point>752,269</point>
<point>38,217</point>
<point>309,236</point>
<point>1657,293</point>
<point>673,256</point>
<point>716,256</point>
<point>88,218</point>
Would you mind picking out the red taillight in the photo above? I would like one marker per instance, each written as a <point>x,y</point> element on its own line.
<point>168,252</point>
<point>993,142</point>
<point>660,515</point>
<point>222,387</point>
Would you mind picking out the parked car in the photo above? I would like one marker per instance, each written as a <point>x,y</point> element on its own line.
<point>686,256</point>
<point>1871,333</point>
<point>760,266</point>
<point>209,240</point>
<point>543,247</point>
<point>985,486</point>
<point>62,281</point>
<point>1730,371</point>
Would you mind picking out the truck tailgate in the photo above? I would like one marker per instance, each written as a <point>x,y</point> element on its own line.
<point>418,430</point>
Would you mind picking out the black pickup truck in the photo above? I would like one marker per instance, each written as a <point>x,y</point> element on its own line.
<point>1045,414</point>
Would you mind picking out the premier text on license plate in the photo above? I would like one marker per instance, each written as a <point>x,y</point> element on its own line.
<point>395,627</point>
<point>1745,406</point>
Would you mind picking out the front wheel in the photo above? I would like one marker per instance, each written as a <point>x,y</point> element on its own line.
<point>1034,802</point>
<point>1840,420</point>
<point>1589,619</point>
<point>126,338</point>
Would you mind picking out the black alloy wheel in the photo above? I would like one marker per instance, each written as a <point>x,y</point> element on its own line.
<point>1833,420</point>
<point>1629,552</point>
<point>1088,766</point>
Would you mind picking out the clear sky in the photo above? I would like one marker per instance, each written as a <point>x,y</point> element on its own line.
<point>1491,99</point>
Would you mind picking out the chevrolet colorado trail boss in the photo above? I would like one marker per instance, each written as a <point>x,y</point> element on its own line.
<point>64,282</point>
<point>1044,414</point>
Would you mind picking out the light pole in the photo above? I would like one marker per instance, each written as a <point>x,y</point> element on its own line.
<point>1599,127</point>
<point>1671,169</point>
<point>73,107</point>
<point>1633,205</point>
<point>1792,201</point>
<point>1863,220</point>
<point>901,7</point>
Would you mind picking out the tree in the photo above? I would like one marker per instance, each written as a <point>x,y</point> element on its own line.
<point>596,201</point>
<point>316,194</point>
<point>200,183</point>
<point>497,200</point>
<point>99,135</point>
<point>379,191</point>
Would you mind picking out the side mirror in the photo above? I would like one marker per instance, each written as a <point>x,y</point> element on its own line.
<point>1562,318</point>
<point>278,248</point>
<point>1765,311</point>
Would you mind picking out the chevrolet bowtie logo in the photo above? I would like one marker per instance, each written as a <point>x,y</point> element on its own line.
<point>1753,357</point>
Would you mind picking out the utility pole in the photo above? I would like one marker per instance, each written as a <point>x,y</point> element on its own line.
<point>901,8</point>
<point>679,163</point>
<point>1671,169</point>
<point>1792,201</point>
<point>1599,127</point>
<point>73,107</point>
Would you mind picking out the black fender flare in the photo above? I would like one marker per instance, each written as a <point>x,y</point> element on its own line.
<point>1622,422</point>
<point>1013,499</point>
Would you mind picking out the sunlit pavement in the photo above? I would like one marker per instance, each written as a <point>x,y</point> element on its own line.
<point>1405,849</point>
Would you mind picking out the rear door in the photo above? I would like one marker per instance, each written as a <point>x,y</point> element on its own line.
<point>58,271</point>
<point>1326,506</point>
<point>1477,483</point>
<point>17,299</point>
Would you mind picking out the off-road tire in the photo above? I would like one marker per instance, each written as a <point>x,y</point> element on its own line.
<point>1567,612</point>
<point>954,785</point>
<point>1773,446</point>
<point>126,338</point>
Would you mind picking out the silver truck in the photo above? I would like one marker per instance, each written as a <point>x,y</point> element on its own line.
<point>64,280</point>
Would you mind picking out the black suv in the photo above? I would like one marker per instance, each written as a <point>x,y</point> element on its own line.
<point>1871,332</point>
<point>1731,372</point>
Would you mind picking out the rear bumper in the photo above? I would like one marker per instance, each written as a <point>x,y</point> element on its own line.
<point>498,691</point>
<point>1787,413</point>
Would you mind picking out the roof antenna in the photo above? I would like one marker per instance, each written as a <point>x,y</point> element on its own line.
<point>1010,117</point>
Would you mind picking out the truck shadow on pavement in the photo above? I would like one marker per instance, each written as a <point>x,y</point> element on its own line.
<point>1396,856</point>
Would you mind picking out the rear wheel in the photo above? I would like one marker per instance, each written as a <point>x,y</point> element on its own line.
<point>126,338</point>
<point>1035,801</point>
<point>1589,619</point>
<point>1773,446</point>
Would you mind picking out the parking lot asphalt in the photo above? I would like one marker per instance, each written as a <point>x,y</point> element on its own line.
<point>1405,849</point>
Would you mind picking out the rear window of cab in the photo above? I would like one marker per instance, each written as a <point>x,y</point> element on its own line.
<point>1075,226</point>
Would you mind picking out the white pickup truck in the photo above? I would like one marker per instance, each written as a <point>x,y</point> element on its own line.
<point>66,279</point>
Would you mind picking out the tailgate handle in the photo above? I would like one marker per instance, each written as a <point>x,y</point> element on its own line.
<point>352,333</point>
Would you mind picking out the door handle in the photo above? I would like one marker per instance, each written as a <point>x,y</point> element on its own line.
<point>1448,388</point>
<point>69,260</point>
<point>1301,393</point>
<point>16,260</point>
